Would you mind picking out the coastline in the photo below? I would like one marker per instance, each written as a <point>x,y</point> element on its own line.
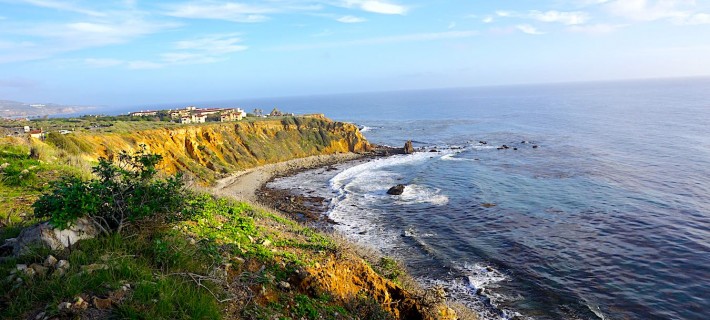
<point>354,259</point>
<point>243,185</point>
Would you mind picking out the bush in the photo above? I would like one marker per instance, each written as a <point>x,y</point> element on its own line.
<point>124,191</point>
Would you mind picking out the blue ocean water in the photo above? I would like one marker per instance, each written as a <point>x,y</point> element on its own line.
<point>609,218</point>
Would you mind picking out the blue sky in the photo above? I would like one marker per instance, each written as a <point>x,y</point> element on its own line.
<point>142,52</point>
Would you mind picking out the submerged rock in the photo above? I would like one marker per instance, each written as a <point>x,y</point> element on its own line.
<point>396,190</point>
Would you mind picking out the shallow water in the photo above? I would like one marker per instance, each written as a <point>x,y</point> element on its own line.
<point>609,218</point>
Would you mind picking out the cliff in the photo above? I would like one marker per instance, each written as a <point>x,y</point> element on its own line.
<point>209,151</point>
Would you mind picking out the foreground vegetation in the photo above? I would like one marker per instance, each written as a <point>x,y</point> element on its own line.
<point>168,253</point>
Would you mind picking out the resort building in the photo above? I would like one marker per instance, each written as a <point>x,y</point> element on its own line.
<point>144,114</point>
<point>232,115</point>
<point>38,134</point>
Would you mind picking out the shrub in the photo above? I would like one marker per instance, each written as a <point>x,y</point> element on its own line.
<point>124,191</point>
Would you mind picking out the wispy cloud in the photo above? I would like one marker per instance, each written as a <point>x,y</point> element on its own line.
<point>213,44</point>
<point>229,11</point>
<point>57,38</point>
<point>564,17</point>
<point>377,6</point>
<point>487,19</point>
<point>103,63</point>
<point>351,19</point>
<point>698,18</point>
<point>600,28</point>
<point>528,29</point>
<point>683,12</point>
<point>568,18</point>
<point>415,37</point>
<point>208,49</point>
<point>64,6</point>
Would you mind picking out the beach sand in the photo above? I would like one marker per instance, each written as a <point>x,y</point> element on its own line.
<point>243,185</point>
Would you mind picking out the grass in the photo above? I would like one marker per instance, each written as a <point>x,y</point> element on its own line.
<point>221,256</point>
<point>28,168</point>
<point>131,260</point>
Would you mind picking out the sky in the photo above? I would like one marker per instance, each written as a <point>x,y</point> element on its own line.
<point>118,53</point>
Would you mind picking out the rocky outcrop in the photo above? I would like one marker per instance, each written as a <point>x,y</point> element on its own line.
<point>396,190</point>
<point>45,235</point>
<point>345,278</point>
<point>408,148</point>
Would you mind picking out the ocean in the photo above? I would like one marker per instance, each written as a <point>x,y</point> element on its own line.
<point>607,218</point>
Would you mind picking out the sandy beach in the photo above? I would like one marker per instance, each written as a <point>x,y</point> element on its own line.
<point>243,185</point>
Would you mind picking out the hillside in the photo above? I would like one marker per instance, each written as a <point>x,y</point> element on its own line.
<point>221,259</point>
<point>210,151</point>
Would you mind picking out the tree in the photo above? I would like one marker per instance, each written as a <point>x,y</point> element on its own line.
<point>123,192</point>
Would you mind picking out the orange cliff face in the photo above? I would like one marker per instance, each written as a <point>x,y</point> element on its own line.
<point>211,150</point>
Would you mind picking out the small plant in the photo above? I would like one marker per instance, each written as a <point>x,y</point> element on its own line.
<point>124,191</point>
<point>390,269</point>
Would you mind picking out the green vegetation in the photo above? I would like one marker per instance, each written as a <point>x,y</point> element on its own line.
<point>123,192</point>
<point>24,175</point>
<point>183,256</point>
<point>390,269</point>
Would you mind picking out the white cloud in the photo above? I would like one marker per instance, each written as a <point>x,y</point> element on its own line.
<point>102,63</point>
<point>505,14</point>
<point>600,28</point>
<point>487,19</point>
<point>678,11</point>
<point>351,19</point>
<point>568,18</point>
<point>50,39</point>
<point>208,49</point>
<point>229,11</point>
<point>698,18</point>
<point>64,6</point>
<point>415,37</point>
<point>214,44</point>
<point>377,6</point>
<point>564,17</point>
<point>528,29</point>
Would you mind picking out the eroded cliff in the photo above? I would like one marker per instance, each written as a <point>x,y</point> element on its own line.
<point>209,151</point>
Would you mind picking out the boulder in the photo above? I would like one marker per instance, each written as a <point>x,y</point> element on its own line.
<point>46,235</point>
<point>396,190</point>
<point>408,148</point>
<point>50,261</point>
<point>39,269</point>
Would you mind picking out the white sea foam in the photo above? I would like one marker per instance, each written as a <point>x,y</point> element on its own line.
<point>420,194</point>
<point>474,290</point>
<point>374,168</point>
<point>366,128</point>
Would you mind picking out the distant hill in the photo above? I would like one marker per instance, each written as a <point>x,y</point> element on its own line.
<point>13,109</point>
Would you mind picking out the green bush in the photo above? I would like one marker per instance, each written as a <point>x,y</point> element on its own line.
<point>124,191</point>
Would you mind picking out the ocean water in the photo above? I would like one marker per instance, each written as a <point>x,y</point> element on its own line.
<point>609,218</point>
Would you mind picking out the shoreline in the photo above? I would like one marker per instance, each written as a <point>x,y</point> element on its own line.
<point>244,185</point>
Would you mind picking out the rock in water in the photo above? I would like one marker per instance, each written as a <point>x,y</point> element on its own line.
<point>396,190</point>
<point>408,148</point>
